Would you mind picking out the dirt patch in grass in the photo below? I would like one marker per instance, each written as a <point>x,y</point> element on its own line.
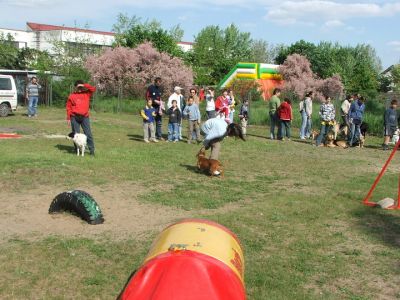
<point>25,215</point>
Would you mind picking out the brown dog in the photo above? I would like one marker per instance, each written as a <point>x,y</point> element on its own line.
<point>211,166</point>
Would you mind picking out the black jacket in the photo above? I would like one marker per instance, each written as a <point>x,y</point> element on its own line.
<point>174,115</point>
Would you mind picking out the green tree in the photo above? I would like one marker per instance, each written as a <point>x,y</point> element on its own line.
<point>216,51</point>
<point>8,52</point>
<point>396,77</point>
<point>262,52</point>
<point>358,66</point>
<point>131,32</point>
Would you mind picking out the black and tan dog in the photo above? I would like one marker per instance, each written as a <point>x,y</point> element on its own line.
<point>212,166</point>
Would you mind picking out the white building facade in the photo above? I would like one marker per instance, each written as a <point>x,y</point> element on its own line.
<point>43,37</point>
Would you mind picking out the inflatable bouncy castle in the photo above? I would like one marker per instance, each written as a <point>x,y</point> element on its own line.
<point>267,76</point>
<point>190,260</point>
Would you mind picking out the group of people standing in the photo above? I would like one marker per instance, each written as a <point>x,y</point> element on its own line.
<point>178,108</point>
<point>281,115</point>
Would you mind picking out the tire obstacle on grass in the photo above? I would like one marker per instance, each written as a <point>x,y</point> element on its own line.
<point>80,203</point>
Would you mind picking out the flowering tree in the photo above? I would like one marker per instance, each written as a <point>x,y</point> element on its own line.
<point>300,79</point>
<point>133,69</point>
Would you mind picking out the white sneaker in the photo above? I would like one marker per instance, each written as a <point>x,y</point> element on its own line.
<point>154,141</point>
<point>146,141</point>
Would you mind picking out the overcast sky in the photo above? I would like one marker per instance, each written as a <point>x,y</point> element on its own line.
<point>348,22</point>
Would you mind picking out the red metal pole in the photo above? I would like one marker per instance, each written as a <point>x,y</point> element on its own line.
<point>398,197</point>
<point>366,200</point>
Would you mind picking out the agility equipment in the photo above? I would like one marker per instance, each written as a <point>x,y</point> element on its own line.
<point>9,136</point>
<point>192,259</point>
<point>267,76</point>
<point>78,202</point>
<point>367,201</point>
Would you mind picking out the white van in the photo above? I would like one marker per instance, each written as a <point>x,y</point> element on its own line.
<point>8,95</point>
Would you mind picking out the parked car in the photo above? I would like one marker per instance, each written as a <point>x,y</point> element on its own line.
<point>8,95</point>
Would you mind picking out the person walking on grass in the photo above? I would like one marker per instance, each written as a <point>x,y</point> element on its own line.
<point>32,95</point>
<point>390,123</point>
<point>244,116</point>
<point>77,107</point>
<point>154,93</point>
<point>306,116</point>
<point>210,104</point>
<point>174,121</point>
<point>356,114</point>
<point>149,114</point>
<point>192,113</point>
<point>285,115</point>
<point>273,105</point>
<point>327,114</point>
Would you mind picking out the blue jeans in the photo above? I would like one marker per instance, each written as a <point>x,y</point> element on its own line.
<point>324,130</point>
<point>76,124</point>
<point>158,119</point>
<point>274,121</point>
<point>32,105</point>
<point>285,129</point>
<point>305,130</point>
<point>355,132</point>
<point>173,132</point>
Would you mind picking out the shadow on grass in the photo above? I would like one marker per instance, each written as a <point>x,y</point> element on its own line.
<point>65,148</point>
<point>258,136</point>
<point>380,224</point>
<point>135,137</point>
<point>192,169</point>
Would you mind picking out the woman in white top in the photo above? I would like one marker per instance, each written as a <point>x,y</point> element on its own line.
<point>210,108</point>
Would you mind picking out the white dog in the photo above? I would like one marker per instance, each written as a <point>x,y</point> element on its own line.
<point>395,137</point>
<point>80,141</point>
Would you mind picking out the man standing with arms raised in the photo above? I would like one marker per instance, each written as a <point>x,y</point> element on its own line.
<point>154,93</point>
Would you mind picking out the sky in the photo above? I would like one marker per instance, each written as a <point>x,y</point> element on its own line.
<point>374,22</point>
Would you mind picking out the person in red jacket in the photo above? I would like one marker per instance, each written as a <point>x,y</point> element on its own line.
<point>222,105</point>
<point>78,111</point>
<point>285,115</point>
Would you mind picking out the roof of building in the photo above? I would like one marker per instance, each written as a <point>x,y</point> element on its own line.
<point>186,43</point>
<point>44,27</point>
<point>388,70</point>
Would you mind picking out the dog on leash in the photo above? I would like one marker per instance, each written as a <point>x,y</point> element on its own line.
<point>212,166</point>
<point>80,141</point>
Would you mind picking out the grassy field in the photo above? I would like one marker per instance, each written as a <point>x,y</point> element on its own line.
<point>296,209</point>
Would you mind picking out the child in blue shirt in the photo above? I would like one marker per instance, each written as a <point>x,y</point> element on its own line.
<point>148,114</point>
<point>192,113</point>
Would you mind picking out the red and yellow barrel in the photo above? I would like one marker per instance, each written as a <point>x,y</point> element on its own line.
<point>191,260</point>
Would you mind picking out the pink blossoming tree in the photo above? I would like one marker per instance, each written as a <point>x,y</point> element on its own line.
<point>300,79</point>
<point>133,69</point>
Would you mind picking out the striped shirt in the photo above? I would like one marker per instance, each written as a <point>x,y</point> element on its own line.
<point>32,90</point>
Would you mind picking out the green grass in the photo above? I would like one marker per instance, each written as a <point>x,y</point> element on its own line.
<point>296,209</point>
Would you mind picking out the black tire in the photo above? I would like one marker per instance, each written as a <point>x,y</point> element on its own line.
<point>4,110</point>
<point>80,203</point>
